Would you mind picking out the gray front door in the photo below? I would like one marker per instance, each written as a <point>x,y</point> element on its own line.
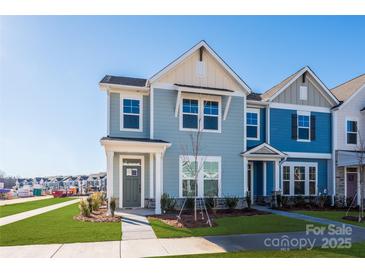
<point>131,186</point>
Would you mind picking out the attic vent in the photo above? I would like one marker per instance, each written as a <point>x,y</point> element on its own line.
<point>303,93</point>
<point>200,68</point>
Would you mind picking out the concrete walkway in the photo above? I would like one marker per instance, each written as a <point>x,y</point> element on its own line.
<point>24,200</point>
<point>135,226</point>
<point>27,214</point>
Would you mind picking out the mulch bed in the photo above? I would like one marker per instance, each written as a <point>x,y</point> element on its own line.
<point>353,219</point>
<point>187,218</point>
<point>99,216</point>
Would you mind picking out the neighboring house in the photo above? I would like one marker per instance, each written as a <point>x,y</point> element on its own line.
<point>289,138</point>
<point>251,143</point>
<point>349,138</point>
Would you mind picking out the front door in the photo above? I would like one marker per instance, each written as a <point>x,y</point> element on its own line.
<point>132,185</point>
<point>351,183</point>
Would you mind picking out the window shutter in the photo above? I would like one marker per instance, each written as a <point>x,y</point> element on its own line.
<point>313,127</point>
<point>294,126</point>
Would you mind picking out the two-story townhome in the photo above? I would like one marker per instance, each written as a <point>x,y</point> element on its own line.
<point>151,123</point>
<point>289,141</point>
<point>349,139</point>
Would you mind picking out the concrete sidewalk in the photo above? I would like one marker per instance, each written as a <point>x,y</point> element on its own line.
<point>24,200</point>
<point>135,226</point>
<point>27,214</point>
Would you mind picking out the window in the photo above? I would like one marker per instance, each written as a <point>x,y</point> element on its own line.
<point>211,115</point>
<point>286,180</point>
<point>207,171</point>
<point>131,114</point>
<point>303,127</point>
<point>299,178</point>
<point>351,132</point>
<point>188,183</point>
<point>252,120</point>
<point>200,114</point>
<point>211,178</point>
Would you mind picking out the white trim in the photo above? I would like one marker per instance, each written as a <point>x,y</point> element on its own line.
<point>200,115</point>
<point>197,90</point>
<point>200,183</point>
<point>124,146</point>
<point>110,173</point>
<point>158,182</point>
<point>178,102</point>
<point>308,155</point>
<point>264,164</point>
<point>226,109</point>
<point>251,166</point>
<point>121,158</point>
<point>307,114</point>
<point>155,77</point>
<point>151,176</point>
<point>300,73</point>
<point>351,97</point>
<point>140,115</point>
<point>334,147</point>
<point>108,114</point>
<point>268,124</point>
<point>257,111</point>
<point>306,166</point>
<point>123,88</point>
<point>244,124</point>
<point>152,117</point>
<point>251,151</point>
<point>299,107</point>
<point>277,175</point>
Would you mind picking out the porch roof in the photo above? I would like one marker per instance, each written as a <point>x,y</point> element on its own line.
<point>350,158</point>
<point>263,152</point>
<point>134,145</point>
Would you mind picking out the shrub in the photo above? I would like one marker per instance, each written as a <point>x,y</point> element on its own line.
<point>209,202</point>
<point>299,201</point>
<point>285,201</point>
<point>279,200</point>
<point>167,203</point>
<point>90,203</point>
<point>84,208</point>
<point>112,205</point>
<point>231,202</point>
<point>96,198</point>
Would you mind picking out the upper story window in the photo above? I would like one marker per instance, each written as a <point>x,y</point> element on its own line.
<point>190,114</point>
<point>200,114</point>
<point>131,114</point>
<point>351,132</point>
<point>303,126</point>
<point>253,124</point>
<point>211,115</point>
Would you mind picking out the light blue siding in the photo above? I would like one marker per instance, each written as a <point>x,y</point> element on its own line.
<point>252,143</point>
<point>115,113</point>
<point>228,144</point>
<point>280,132</point>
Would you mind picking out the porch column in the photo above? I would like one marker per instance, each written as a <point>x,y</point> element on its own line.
<point>245,179</point>
<point>264,178</point>
<point>358,187</point>
<point>109,174</point>
<point>276,175</point>
<point>159,181</point>
<point>151,176</point>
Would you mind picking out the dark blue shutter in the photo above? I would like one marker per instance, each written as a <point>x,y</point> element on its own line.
<point>294,126</point>
<point>313,127</point>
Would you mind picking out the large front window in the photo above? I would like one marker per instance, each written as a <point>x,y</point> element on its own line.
<point>351,132</point>
<point>299,179</point>
<point>200,178</point>
<point>131,114</point>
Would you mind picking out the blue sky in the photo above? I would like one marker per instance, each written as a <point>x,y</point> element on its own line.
<point>52,113</point>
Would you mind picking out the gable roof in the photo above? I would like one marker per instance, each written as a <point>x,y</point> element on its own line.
<point>213,53</point>
<point>280,87</point>
<point>346,90</point>
<point>126,81</point>
<point>264,150</point>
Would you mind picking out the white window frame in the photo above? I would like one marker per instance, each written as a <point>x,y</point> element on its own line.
<point>306,166</point>
<point>200,183</point>
<point>351,119</point>
<point>131,97</point>
<point>304,113</point>
<point>200,113</point>
<point>256,111</point>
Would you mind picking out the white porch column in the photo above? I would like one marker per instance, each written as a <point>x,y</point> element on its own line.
<point>358,187</point>
<point>264,178</point>
<point>276,176</point>
<point>151,176</point>
<point>159,181</point>
<point>110,175</point>
<point>245,179</point>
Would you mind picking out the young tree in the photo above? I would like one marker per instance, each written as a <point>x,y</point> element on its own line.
<point>361,167</point>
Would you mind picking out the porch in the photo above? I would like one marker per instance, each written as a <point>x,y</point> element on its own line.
<point>134,171</point>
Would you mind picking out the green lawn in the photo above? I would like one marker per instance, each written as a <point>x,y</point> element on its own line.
<point>7,210</point>
<point>356,251</point>
<point>332,215</point>
<point>57,226</point>
<point>232,225</point>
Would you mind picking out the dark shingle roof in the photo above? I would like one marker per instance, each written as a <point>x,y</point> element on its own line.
<point>201,87</point>
<point>134,139</point>
<point>254,96</point>
<point>362,109</point>
<point>126,81</point>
